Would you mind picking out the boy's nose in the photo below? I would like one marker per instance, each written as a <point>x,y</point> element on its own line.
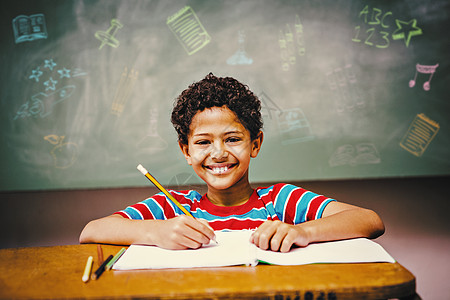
<point>218,151</point>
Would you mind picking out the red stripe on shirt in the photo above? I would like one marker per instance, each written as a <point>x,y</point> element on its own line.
<point>120,213</point>
<point>291,206</point>
<point>234,224</point>
<point>314,207</point>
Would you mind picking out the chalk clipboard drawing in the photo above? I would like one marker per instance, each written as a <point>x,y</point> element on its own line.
<point>188,30</point>
<point>419,135</point>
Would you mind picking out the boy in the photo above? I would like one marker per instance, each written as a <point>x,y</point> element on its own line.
<point>218,122</point>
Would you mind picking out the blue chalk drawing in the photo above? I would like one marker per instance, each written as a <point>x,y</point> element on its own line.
<point>64,73</point>
<point>36,73</point>
<point>29,28</point>
<point>49,64</point>
<point>53,90</point>
<point>41,104</point>
<point>240,57</point>
<point>294,127</point>
<point>50,84</point>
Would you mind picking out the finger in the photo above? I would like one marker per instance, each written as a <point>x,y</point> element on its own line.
<point>210,234</point>
<point>185,242</point>
<point>264,234</point>
<point>278,238</point>
<point>191,229</point>
<point>287,243</point>
<point>202,231</point>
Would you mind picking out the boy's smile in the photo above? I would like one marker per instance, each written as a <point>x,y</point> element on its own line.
<point>219,150</point>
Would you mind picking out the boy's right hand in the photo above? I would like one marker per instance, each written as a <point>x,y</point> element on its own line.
<point>182,232</point>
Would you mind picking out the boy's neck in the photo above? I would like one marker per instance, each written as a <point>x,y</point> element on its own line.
<point>238,194</point>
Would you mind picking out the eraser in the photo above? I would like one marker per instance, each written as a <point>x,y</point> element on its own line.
<point>142,169</point>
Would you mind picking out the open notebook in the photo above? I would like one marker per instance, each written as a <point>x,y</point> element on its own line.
<point>234,248</point>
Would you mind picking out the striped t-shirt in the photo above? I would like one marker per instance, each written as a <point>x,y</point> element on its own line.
<point>284,202</point>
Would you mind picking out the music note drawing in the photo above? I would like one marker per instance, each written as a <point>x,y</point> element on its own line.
<point>424,69</point>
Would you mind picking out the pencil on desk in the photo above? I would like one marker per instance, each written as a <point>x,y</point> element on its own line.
<point>101,269</point>
<point>99,255</point>
<point>162,189</point>
<point>114,259</point>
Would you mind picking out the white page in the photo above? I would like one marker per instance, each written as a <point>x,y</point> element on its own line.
<point>359,250</point>
<point>233,248</point>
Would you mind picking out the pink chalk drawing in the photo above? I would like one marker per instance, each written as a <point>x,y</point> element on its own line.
<point>424,69</point>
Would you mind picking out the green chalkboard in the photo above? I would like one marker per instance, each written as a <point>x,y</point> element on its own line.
<point>350,89</point>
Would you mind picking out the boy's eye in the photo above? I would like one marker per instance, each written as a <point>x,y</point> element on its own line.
<point>202,142</point>
<point>233,139</point>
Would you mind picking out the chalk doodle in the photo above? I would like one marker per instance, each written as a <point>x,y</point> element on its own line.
<point>152,141</point>
<point>182,181</point>
<point>55,87</point>
<point>29,28</point>
<point>343,82</point>
<point>268,107</point>
<point>406,30</point>
<point>294,127</point>
<point>240,57</point>
<point>50,84</point>
<point>124,90</point>
<point>301,50</point>
<point>283,51</point>
<point>188,30</point>
<point>41,104</point>
<point>49,64</point>
<point>290,46</point>
<point>424,69</point>
<point>108,37</point>
<point>36,73</point>
<point>419,135</point>
<point>377,35</point>
<point>360,154</point>
<point>64,153</point>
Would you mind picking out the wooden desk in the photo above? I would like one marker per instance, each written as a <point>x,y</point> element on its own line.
<point>55,272</point>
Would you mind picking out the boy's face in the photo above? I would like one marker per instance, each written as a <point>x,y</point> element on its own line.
<point>219,148</point>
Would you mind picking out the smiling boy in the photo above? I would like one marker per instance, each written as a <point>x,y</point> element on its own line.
<point>219,124</point>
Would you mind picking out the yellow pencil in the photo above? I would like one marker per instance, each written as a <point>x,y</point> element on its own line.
<point>162,189</point>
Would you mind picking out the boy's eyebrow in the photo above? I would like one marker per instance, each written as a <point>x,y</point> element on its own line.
<point>226,133</point>
<point>234,132</point>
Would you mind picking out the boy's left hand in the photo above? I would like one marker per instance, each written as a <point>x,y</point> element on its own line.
<point>279,236</point>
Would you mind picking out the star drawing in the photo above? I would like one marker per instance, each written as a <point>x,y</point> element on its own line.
<point>406,30</point>
<point>64,73</point>
<point>36,73</point>
<point>49,63</point>
<point>50,84</point>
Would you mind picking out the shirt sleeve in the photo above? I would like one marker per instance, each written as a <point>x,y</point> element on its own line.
<point>157,207</point>
<point>295,205</point>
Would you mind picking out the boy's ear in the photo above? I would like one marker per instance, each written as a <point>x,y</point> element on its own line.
<point>185,149</point>
<point>256,144</point>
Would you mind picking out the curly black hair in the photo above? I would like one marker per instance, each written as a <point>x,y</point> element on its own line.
<point>215,91</point>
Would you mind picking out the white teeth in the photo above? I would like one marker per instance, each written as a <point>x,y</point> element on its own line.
<point>219,170</point>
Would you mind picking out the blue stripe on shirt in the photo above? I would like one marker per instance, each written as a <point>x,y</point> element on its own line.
<point>281,200</point>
